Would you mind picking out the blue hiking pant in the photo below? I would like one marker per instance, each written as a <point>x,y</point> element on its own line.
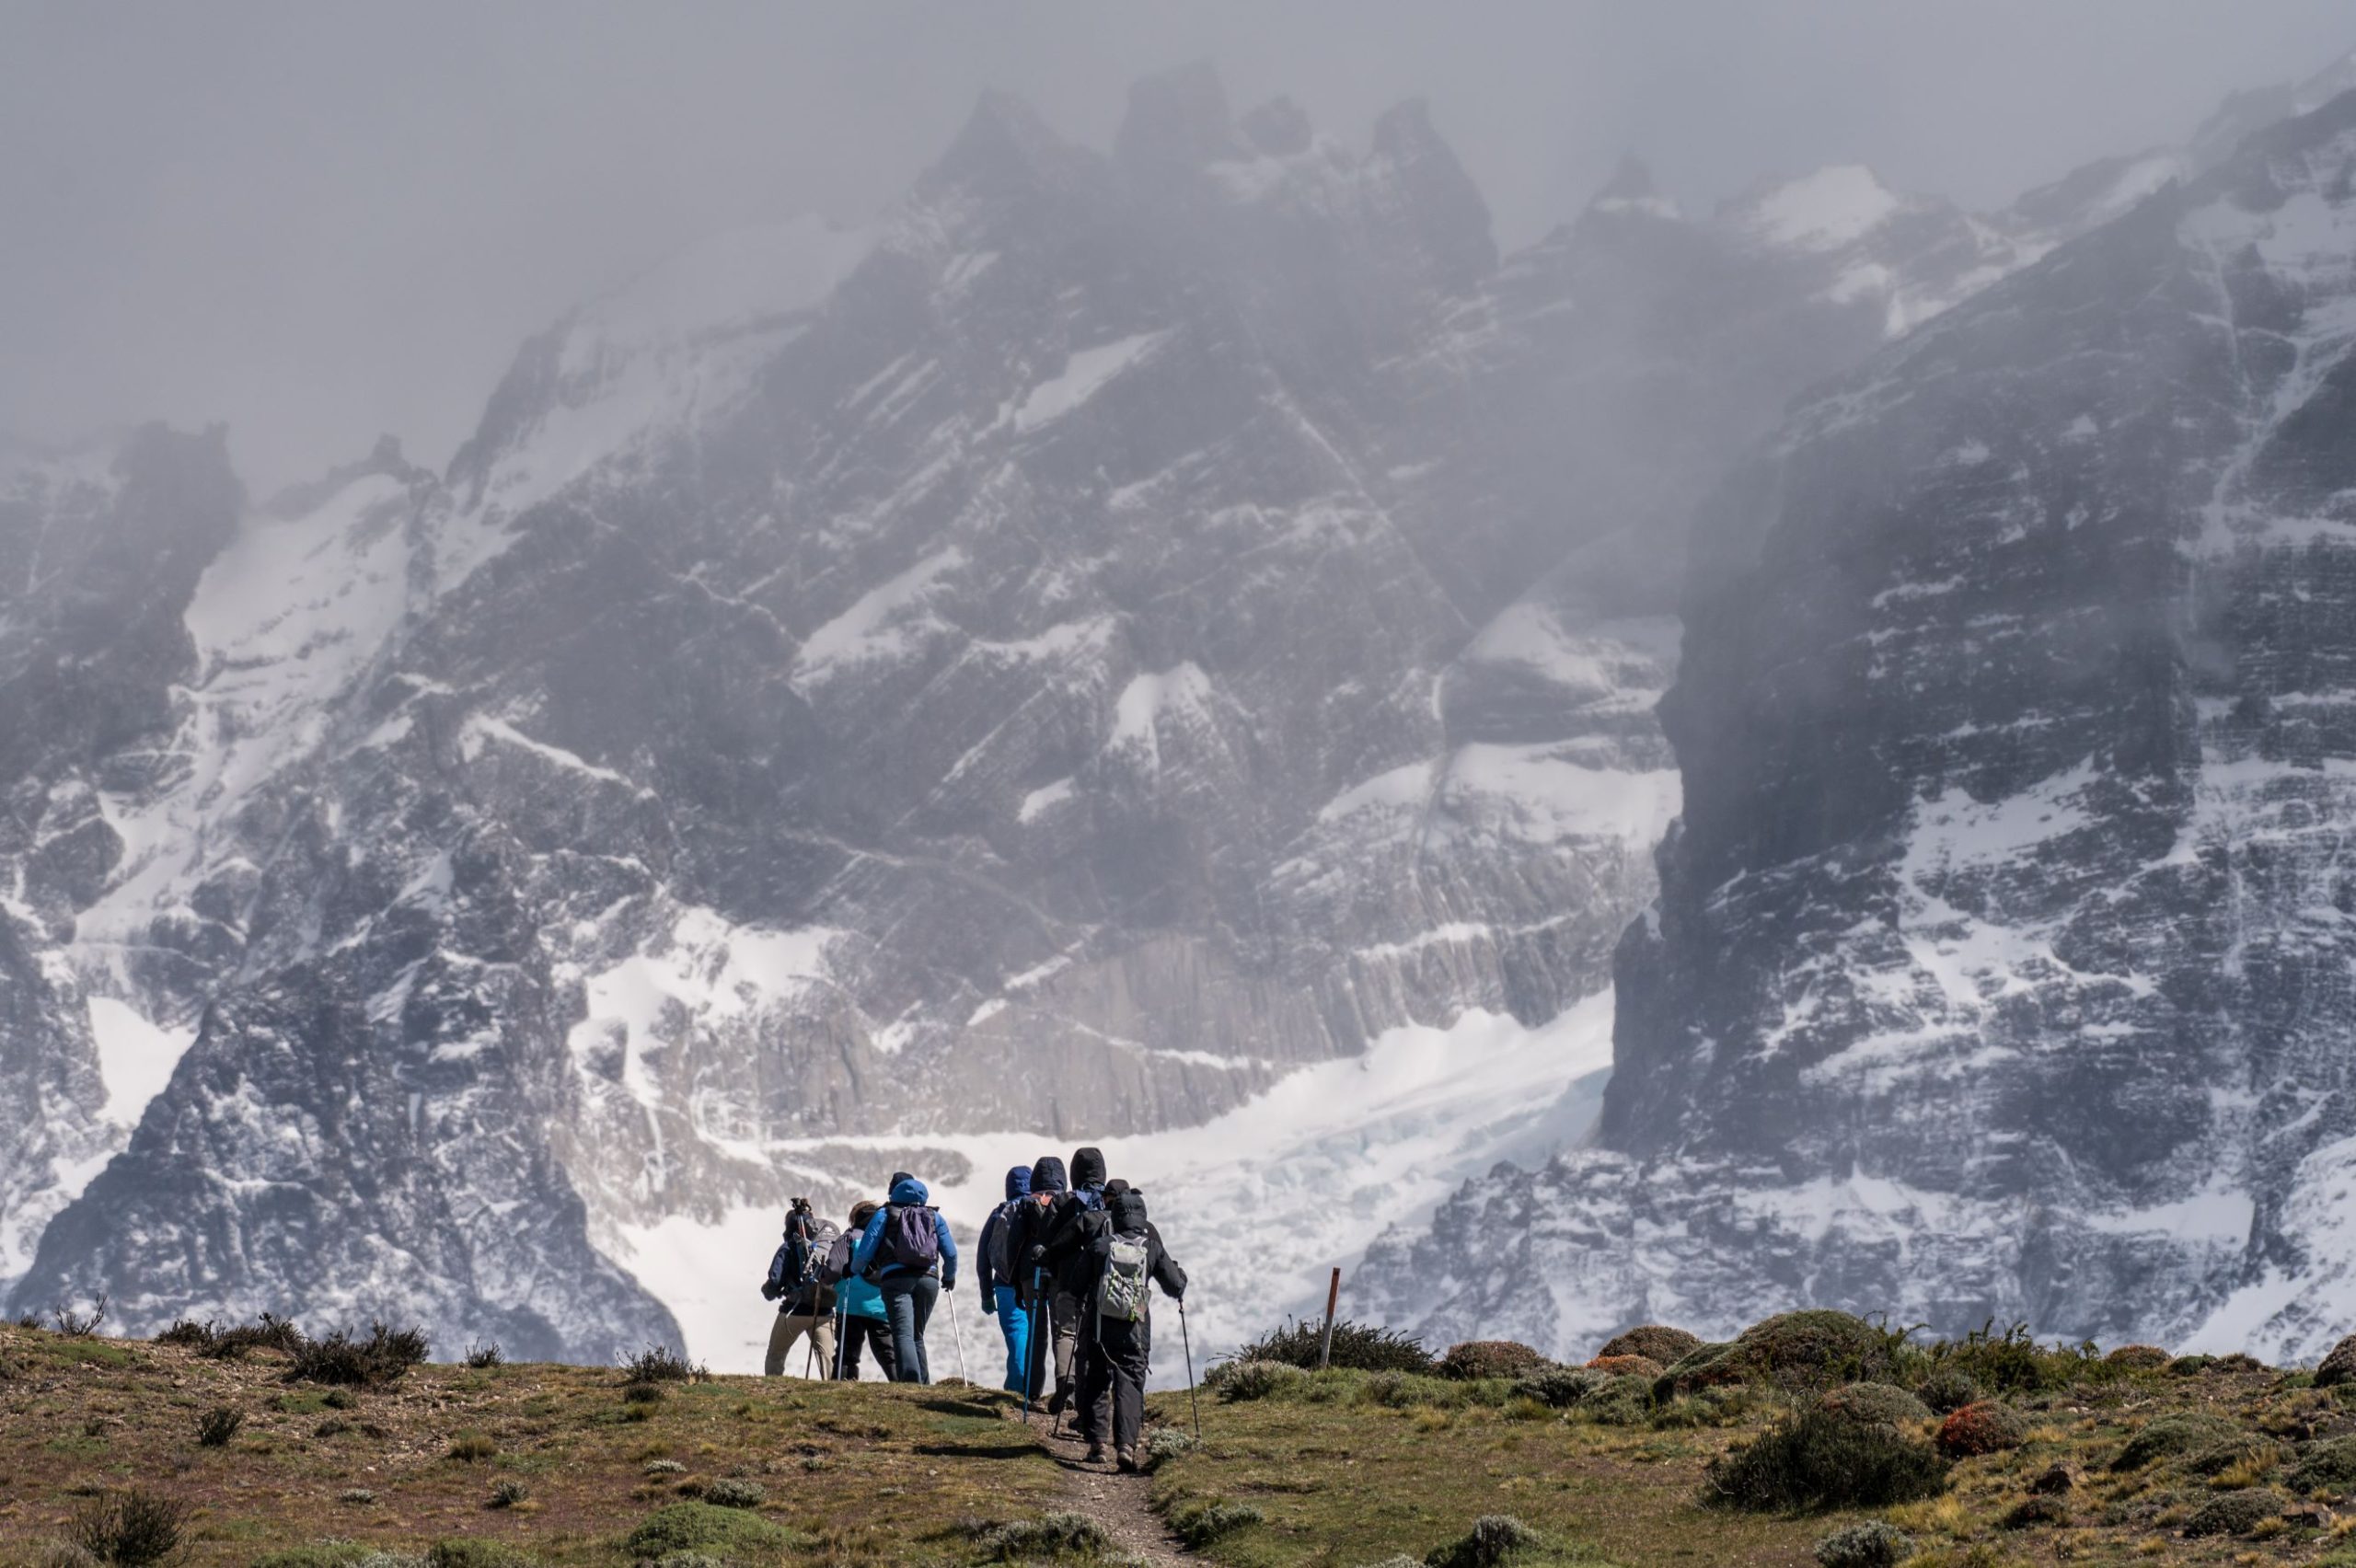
<point>1015,1324</point>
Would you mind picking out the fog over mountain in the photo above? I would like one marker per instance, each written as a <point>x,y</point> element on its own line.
<point>1705,753</point>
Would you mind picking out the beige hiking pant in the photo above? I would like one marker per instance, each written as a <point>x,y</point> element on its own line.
<point>792,1326</point>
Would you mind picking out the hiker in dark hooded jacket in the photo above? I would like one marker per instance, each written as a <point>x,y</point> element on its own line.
<point>1058,1248</point>
<point>1026,1229</point>
<point>1000,1296</point>
<point>910,1254</point>
<point>805,1302</point>
<point>1123,1255</point>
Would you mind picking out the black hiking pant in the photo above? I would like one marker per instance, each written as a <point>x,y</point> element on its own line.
<point>1115,1360</point>
<point>873,1333</point>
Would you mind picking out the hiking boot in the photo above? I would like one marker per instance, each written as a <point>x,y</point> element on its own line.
<point>1056,1401</point>
<point>1129,1462</point>
<point>1095,1454</point>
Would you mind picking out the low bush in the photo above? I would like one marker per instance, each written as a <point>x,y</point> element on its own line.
<point>1236,1381</point>
<point>1050,1536</point>
<point>730,1492</point>
<point>1494,1540</point>
<point>482,1357</point>
<point>1656,1342</point>
<point>643,1393</point>
<point>1816,1462</point>
<point>469,1552</point>
<point>470,1446</point>
<point>1949,1388</point>
<point>1198,1524</point>
<point>1559,1388</point>
<point>2138,1358</point>
<point>1986,1427</point>
<point>1710,1407</point>
<point>1402,1391</point>
<point>657,1363</point>
<point>1875,1404</point>
<point>1811,1349</point>
<point>1871,1544</point>
<point>2338,1366</point>
<point>76,1324</point>
<point>1358,1347</point>
<point>271,1331</point>
<point>2171,1436</point>
<point>2012,1362</point>
<point>1622,1401</point>
<point>342,1359</point>
<point>698,1527</point>
<point>2030,1511</point>
<point>186,1331</point>
<point>2330,1463</point>
<point>2188,1365</point>
<point>2233,1512</point>
<point>217,1425</point>
<point>1167,1443</point>
<point>1643,1367</point>
<point>2245,1453</point>
<point>129,1528</point>
<point>1476,1359</point>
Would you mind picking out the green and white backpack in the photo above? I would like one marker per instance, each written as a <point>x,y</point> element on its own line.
<point>1120,1294</point>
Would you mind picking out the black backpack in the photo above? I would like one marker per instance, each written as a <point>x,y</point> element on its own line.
<point>822,1235</point>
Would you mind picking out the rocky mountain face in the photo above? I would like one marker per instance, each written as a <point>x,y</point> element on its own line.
<point>1119,633</point>
<point>2001,962</point>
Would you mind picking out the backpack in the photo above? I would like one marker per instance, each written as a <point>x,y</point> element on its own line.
<point>822,1238</point>
<point>835,1267</point>
<point>1120,1289</point>
<point>911,1240</point>
<point>1003,1240</point>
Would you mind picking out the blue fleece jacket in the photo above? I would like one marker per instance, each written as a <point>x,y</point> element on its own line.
<point>906,1192</point>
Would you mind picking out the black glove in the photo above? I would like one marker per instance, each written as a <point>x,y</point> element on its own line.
<point>1038,1254</point>
<point>770,1290</point>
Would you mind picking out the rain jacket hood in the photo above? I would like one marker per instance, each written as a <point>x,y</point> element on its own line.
<point>907,1191</point>
<point>1047,1176</point>
<point>1018,1183</point>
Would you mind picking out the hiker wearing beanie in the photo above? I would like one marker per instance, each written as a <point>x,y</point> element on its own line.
<point>1000,1298</point>
<point>858,1304</point>
<point>1057,1252</point>
<point>1026,1229</point>
<point>910,1254</point>
<point>1124,1253</point>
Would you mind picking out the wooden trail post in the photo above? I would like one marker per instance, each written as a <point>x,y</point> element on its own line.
<point>1333,1299</point>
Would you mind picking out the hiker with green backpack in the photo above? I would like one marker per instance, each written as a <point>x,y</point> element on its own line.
<point>1124,1253</point>
<point>909,1255</point>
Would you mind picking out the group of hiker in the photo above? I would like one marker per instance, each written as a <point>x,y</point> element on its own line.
<point>1065,1262</point>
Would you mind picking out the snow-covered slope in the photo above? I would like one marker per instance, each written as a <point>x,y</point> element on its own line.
<point>2000,961</point>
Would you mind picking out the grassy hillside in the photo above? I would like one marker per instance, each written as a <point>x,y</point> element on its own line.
<point>2041,1456</point>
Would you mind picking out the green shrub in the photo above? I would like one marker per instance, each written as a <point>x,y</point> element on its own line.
<point>1239,1381</point>
<point>2138,1358</point>
<point>217,1425</point>
<point>2170,1435</point>
<point>1358,1347</point>
<point>1198,1524</point>
<point>732,1493</point>
<point>471,1445</point>
<point>1872,1544</point>
<point>1167,1443</point>
<point>1811,1349</point>
<point>696,1527</point>
<point>2030,1511</point>
<point>1050,1536</point>
<point>1558,1387</point>
<point>1949,1388</point>
<point>1816,1462</point>
<point>1710,1407</point>
<point>657,1363</point>
<point>129,1528</point>
<point>1492,1540</point>
<point>643,1393</point>
<point>2187,1365</point>
<point>482,1357</point>
<point>339,1358</point>
<point>1622,1401</point>
<point>2233,1512</point>
<point>2330,1463</point>
<point>1655,1341</point>
<point>2012,1362</point>
<point>2243,1448</point>
<point>1875,1404</point>
<point>186,1331</point>
<point>1402,1391</point>
<point>1479,1359</point>
<point>465,1551</point>
<point>508,1493</point>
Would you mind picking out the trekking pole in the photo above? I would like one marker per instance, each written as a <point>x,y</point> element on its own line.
<point>1188,1341</point>
<point>842,1332</point>
<point>958,1330</point>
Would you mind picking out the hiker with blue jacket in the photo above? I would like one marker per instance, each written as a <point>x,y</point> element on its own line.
<point>858,1303</point>
<point>1000,1297</point>
<point>910,1256</point>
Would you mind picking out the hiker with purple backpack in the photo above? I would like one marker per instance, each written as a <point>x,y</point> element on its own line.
<point>908,1253</point>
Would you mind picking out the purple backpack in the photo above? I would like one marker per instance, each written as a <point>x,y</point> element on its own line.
<point>911,1241</point>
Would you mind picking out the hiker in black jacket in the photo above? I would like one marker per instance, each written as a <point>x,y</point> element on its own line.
<point>1058,1248</point>
<point>1027,1233</point>
<point>805,1302</point>
<point>1124,1253</point>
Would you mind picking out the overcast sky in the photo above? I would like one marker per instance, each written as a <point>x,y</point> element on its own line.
<point>320,221</point>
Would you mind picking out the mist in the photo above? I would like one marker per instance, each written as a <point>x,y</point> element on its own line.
<point>322,222</point>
